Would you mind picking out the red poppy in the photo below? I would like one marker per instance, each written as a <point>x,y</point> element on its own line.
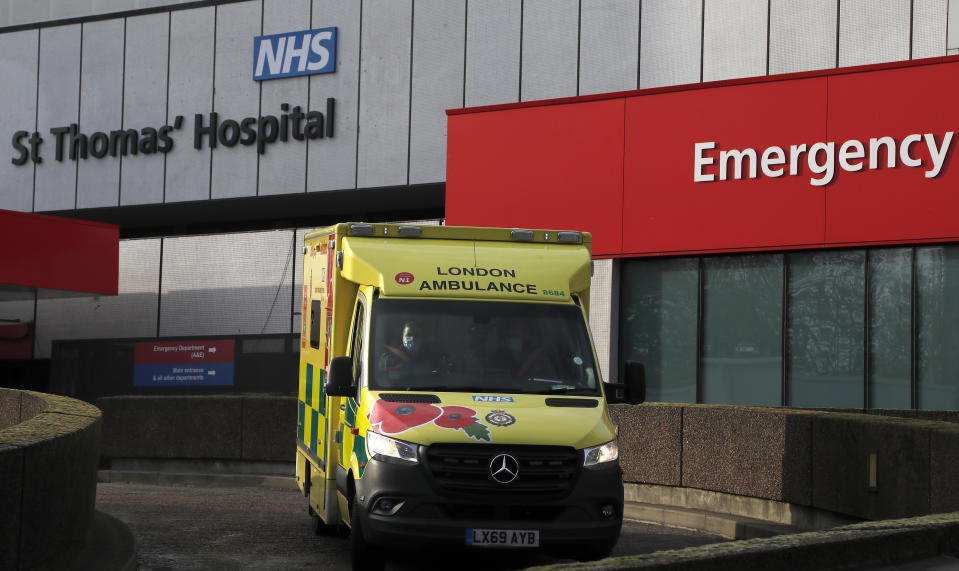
<point>456,417</point>
<point>462,418</point>
<point>396,417</point>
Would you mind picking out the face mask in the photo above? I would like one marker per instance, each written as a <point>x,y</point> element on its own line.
<point>411,343</point>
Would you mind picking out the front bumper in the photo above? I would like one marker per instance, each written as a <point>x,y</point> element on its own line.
<point>429,514</point>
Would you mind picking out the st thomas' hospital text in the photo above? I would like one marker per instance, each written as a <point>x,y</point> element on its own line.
<point>70,142</point>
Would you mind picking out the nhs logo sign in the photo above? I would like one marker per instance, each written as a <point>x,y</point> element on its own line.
<point>294,53</point>
<point>484,398</point>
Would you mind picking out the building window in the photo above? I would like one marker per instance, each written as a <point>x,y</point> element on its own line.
<point>825,328</point>
<point>658,317</point>
<point>937,272</point>
<point>890,328</point>
<point>874,328</point>
<point>742,329</point>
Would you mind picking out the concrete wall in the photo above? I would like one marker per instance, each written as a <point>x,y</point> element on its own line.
<point>940,415</point>
<point>890,544</point>
<point>813,458</point>
<point>253,428</point>
<point>18,406</point>
<point>48,466</point>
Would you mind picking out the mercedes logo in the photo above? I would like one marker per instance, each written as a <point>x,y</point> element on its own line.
<point>504,468</point>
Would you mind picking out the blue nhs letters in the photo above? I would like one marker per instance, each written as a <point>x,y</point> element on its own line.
<point>294,53</point>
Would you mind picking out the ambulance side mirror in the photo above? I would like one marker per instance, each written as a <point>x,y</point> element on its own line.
<point>633,388</point>
<point>340,381</point>
<point>634,377</point>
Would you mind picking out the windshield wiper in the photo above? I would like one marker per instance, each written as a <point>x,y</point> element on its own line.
<point>433,388</point>
<point>553,390</point>
<point>567,390</point>
<point>456,389</point>
<point>467,389</point>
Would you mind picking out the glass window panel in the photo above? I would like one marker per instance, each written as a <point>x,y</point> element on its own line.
<point>658,325</point>
<point>825,328</point>
<point>742,330</point>
<point>890,300</point>
<point>938,283</point>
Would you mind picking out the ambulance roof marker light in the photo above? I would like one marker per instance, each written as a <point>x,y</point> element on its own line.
<point>361,229</point>
<point>571,237</point>
<point>410,231</point>
<point>521,235</point>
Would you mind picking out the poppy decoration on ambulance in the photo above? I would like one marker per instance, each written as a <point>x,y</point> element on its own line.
<point>398,417</point>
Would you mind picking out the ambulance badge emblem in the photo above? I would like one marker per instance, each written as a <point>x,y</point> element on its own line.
<point>499,417</point>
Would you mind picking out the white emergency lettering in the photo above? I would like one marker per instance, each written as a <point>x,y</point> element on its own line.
<point>821,158</point>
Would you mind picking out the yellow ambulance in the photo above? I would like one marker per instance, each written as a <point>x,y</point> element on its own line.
<point>449,391</point>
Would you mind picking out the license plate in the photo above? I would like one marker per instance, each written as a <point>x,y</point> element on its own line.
<point>503,537</point>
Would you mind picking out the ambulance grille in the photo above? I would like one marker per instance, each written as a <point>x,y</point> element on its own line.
<point>548,471</point>
<point>499,512</point>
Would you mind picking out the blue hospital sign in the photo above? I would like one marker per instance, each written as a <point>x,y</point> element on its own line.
<point>294,53</point>
<point>189,362</point>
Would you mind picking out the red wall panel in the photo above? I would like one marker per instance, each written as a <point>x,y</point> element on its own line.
<point>899,203</point>
<point>47,252</point>
<point>667,211</point>
<point>621,165</point>
<point>557,167</point>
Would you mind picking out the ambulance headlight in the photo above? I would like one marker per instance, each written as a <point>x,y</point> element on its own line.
<point>600,455</point>
<point>389,449</point>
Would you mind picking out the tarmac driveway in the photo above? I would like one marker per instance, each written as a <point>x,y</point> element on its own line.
<point>187,527</point>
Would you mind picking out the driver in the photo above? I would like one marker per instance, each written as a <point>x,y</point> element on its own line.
<point>410,356</point>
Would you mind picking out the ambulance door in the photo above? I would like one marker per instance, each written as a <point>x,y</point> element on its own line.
<point>352,446</point>
<point>316,419</point>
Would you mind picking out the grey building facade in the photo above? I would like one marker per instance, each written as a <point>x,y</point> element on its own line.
<point>211,235</point>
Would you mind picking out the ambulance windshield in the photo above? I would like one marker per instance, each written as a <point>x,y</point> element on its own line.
<point>481,346</point>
